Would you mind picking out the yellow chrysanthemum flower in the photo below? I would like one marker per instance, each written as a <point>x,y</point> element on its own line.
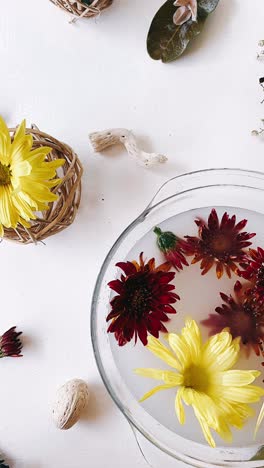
<point>25,178</point>
<point>218,395</point>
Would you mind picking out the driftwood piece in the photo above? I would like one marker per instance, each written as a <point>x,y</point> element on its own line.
<point>104,139</point>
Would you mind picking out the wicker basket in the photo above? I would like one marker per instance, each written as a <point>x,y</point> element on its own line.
<point>62,212</point>
<point>78,8</point>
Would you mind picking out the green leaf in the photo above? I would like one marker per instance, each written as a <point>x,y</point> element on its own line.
<point>208,5</point>
<point>166,41</point>
<point>259,455</point>
<point>2,465</point>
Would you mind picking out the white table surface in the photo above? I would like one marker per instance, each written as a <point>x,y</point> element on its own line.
<point>71,80</point>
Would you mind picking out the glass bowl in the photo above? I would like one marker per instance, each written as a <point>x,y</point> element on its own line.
<point>212,187</point>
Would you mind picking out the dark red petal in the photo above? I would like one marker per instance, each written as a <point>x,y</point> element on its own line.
<point>205,233</point>
<point>142,333</point>
<point>241,225</point>
<point>117,324</point>
<point>168,309</point>
<point>167,277</point>
<point>224,220</point>
<point>129,330</point>
<point>261,252</point>
<point>120,338</point>
<point>117,303</point>
<point>242,245</point>
<point>127,267</point>
<point>112,315</point>
<point>213,221</point>
<point>238,286</point>
<point>163,328</point>
<point>159,315</point>
<point>153,326</point>
<point>117,286</point>
<point>231,222</point>
<point>224,297</point>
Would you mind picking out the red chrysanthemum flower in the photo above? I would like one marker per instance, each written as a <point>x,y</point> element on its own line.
<point>144,299</point>
<point>243,315</point>
<point>10,344</point>
<point>253,269</point>
<point>220,243</point>
<point>173,247</point>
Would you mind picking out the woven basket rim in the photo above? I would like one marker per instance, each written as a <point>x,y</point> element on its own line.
<point>78,8</point>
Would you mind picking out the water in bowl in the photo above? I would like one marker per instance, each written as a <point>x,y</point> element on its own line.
<point>199,297</point>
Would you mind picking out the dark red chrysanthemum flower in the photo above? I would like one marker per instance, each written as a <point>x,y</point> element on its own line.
<point>220,243</point>
<point>173,247</point>
<point>143,302</point>
<point>243,315</point>
<point>10,344</point>
<point>253,269</point>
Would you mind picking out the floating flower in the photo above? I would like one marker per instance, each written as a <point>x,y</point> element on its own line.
<point>218,394</point>
<point>25,178</point>
<point>254,268</point>
<point>143,302</point>
<point>187,9</point>
<point>173,247</point>
<point>10,344</point>
<point>243,315</point>
<point>220,243</point>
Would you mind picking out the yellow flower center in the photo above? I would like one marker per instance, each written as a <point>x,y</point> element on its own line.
<point>5,174</point>
<point>196,378</point>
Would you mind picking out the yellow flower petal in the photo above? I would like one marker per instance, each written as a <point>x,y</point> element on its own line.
<point>187,396</point>
<point>23,208</point>
<point>181,350</point>
<point>21,169</point>
<point>155,390</point>
<point>207,408</point>
<point>259,420</point>
<point>169,377</point>
<point>37,191</point>
<point>179,409</point>
<point>236,378</point>
<point>247,394</point>
<point>38,155</point>
<point>192,336</point>
<point>233,413</point>
<point>214,346</point>
<point>225,355</point>
<point>159,350</point>
<point>224,431</point>
<point>205,428</point>
<point>20,146</point>
<point>8,217</point>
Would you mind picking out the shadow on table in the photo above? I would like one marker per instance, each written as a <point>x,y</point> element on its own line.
<point>100,404</point>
